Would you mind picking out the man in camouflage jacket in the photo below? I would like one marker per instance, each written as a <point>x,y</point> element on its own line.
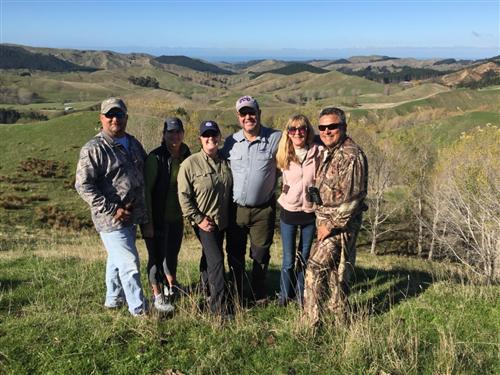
<point>109,177</point>
<point>342,186</point>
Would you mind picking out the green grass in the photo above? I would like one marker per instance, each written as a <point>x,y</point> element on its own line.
<point>449,130</point>
<point>411,318</point>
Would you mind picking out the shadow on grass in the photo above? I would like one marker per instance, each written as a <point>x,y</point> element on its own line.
<point>382,290</point>
<point>11,304</point>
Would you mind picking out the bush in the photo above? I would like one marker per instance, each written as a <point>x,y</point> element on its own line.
<point>144,81</point>
<point>9,116</point>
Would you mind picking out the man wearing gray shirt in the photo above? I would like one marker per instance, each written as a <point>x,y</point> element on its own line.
<point>252,155</point>
<point>109,177</point>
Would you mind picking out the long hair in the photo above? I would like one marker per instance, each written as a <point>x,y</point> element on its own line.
<point>286,152</point>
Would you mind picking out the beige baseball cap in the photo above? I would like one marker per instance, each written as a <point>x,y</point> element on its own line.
<point>110,103</point>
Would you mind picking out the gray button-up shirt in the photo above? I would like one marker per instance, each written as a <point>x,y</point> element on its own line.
<point>253,165</point>
<point>108,176</point>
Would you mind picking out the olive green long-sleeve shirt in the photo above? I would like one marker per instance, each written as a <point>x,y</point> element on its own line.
<point>204,188</point>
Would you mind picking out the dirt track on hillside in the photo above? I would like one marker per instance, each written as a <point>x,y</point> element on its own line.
<point>395,104</point>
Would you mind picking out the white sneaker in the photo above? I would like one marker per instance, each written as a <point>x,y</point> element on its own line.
<point>169,292</point>
<point>161,304</point>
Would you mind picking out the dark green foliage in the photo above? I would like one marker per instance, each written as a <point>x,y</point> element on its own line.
<point>445,62</point>
<point>18,58</point>
<point>9,116</point>
<point>33,115</point>
<point>384,75</point>
<point>190,63</point>
<point>146,81</point>
<point>294,68</point>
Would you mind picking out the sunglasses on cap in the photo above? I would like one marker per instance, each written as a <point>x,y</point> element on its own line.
<point>247,111</point>
<point>333,126</point>
<point>300,129</point>
<point>118,115</point>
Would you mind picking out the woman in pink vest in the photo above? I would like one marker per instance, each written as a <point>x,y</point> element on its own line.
<point>297,158</point>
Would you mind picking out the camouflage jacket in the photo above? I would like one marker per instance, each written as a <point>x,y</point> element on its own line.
<point>342,180</point>
<point>108,177</point>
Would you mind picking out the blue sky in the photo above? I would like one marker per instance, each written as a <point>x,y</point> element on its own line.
<point>211,29</point>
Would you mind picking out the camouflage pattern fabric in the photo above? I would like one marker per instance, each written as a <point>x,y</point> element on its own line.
<point>108,177</point>
<point>342,183</point>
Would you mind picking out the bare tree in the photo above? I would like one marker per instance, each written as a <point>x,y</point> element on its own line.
<point>473,228</point>
<point>466,224</point>
<point>379,181</point>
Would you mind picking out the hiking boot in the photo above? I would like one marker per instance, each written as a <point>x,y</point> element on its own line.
<point>162,305</point>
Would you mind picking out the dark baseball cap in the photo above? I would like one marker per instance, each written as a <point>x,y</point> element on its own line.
<point>173,124</point>
<point>209,125</point>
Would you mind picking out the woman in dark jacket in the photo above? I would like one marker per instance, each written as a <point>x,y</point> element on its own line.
<point>163,233</point>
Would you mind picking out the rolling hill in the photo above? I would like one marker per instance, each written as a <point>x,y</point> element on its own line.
<point>193,64</point>
<point>14,57</point>
<point>294,68</point>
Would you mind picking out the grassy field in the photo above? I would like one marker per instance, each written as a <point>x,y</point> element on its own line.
<point>411,317</point>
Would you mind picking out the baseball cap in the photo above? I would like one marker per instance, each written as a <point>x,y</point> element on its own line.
<point>110,103</point>
<point>246,101</point>
<point>209,125</point>
<point>173,123</point>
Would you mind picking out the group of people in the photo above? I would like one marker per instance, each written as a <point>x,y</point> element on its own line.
<point>228,192</point>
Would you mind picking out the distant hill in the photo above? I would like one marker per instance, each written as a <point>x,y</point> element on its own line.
<point>392,74</point>
<point>190,63</point>
<point>474,77</point>
<point>341,61</point>
<point>295,68</point>
<point>264,66</point>
<point>14,57</point>
<point>452,61</point>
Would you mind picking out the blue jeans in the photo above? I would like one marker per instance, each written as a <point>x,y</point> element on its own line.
<point>123,277</point>
<point>288,275</point>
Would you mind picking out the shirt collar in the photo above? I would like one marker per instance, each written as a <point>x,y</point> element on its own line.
<point>240,137</point>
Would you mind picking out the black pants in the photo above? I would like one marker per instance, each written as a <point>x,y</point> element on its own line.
<point>163,252</point>
<point>212,267</point>
<point>258,224</point>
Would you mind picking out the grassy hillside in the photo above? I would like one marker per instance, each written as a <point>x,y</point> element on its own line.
<point>412,317</point>
<point>48,153</point>
<point>190,63</point>
<point>14,57</point>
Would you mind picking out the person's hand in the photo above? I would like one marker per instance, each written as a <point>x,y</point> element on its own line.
<point>122,215</point>
<point>147,230</point>
<point>323,232</point>
<point>207,224</point>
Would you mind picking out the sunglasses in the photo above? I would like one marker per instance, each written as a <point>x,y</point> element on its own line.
<point>333,126</point>
<point>247,111</point>
<point>300,129</point>
<point>210,133</point>
<point>118,115</point>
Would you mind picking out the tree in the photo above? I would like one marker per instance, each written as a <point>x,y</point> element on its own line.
<point>419,158</point>
<point>380,178</point>
<point>468,228</point>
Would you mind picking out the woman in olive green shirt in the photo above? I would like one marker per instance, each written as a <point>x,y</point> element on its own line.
<point>204,187</point>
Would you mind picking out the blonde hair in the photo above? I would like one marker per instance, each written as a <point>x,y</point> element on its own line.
<point>286,152</point>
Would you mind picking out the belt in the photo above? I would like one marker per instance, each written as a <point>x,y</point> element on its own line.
<point>263,205</point>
